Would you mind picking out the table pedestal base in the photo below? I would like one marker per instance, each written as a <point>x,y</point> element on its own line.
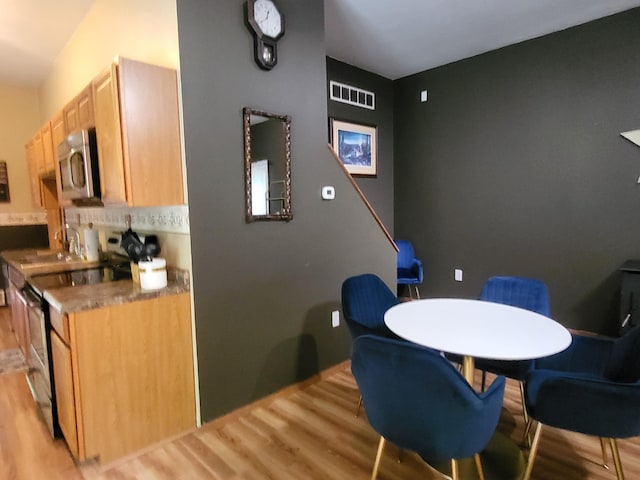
<point>501,460</point>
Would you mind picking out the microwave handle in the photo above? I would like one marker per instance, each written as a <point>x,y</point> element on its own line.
<point>66,171</point>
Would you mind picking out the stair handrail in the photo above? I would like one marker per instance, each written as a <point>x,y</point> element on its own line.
<point>363,197</point>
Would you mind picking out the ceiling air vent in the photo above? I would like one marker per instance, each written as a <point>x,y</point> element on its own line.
<point>352,95</point>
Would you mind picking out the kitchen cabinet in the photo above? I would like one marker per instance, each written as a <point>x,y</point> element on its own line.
<point>47,150</point>
<point>78,113</point>
<point>63,377</point>
<point>34,179</point>
<point>123,375</point>
<point>18,313</point>
<point>38,153</point>
<point>138,135</point>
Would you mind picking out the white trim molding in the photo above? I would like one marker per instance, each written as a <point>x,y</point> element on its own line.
<point>173,219</point>
<point>29,218</point>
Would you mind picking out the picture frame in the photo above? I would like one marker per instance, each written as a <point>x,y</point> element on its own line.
<point>357,146</point>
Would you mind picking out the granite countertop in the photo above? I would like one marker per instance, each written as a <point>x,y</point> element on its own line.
<point>86,297</point>
<point>32,261</point>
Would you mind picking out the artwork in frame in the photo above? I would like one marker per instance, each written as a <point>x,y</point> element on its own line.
<point>356,146</point>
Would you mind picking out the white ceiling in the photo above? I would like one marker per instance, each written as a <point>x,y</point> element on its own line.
<point>391,38</point>
<point>401,37</point>
<point>32,34</point>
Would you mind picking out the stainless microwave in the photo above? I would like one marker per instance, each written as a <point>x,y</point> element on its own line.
<point>78,164</point>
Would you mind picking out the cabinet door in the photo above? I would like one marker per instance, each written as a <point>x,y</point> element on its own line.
<point>63,375</point>
<point>47,149</point>
<point>38,153</point>
<point>34,180</point>
<point>71,117</point>
<point>151,134</point>
<point>107,117</point>
<point>84,104</point>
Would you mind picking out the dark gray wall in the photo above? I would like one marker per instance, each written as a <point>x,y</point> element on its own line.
<point>264,291</point>
<point>378,189</point>
<point>515,166</point>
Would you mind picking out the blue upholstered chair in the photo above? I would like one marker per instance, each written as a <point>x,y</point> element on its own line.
<point>409,267</point>
<point>593,387</point>
<point>527,293</point>
<point>418,401</point>
<point>365,299</point>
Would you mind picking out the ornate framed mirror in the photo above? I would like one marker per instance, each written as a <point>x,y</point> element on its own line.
<point>267,165</point>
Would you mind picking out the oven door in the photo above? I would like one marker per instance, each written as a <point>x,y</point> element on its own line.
<point>38,375</point>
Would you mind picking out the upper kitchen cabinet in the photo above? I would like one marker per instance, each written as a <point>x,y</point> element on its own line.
<point>78,113</point>
<point>47,150</point>
<point>34,180</point>
<point>138,135</point>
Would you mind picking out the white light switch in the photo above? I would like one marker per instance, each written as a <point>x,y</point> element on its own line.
<point>457,275</point>
<point>335,318</point>
<point>328,192</point>
<point>423,96</point>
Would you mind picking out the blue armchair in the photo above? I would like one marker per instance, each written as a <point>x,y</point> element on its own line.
<point>527,293</point>
<point>409,267</point>
<point>593,387</point>
<point>365,299</point>
<point>418,401</point>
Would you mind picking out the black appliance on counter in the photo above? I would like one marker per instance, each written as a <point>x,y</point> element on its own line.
<point>40,375</point>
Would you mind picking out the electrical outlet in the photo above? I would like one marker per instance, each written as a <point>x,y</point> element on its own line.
<point>457,274</point>
<point>335,318</point>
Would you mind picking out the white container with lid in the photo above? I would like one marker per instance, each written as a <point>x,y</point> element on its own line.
<point>153,274</point>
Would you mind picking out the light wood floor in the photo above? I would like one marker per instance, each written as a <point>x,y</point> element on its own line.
<point>303,433</point>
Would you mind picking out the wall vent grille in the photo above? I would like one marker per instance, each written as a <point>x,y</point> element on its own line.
<point>340,92</point>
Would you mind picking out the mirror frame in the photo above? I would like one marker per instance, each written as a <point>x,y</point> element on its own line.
<point>286,214</point>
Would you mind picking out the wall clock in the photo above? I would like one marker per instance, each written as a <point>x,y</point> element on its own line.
<point>267,25</point>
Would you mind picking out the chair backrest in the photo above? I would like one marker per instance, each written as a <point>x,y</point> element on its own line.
<point>624,361</point>
<point>406,254</point>
<point>418,401</point>
<point>527,293</point>
<point>365,299</point>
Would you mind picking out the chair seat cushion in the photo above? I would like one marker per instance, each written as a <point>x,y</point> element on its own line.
<point>407,276</point>
<point>517,369</point>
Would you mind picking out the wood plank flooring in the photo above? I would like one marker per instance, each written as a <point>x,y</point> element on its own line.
<point>303,433</point>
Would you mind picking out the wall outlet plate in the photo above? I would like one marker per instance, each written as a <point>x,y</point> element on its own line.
<point>335,318</point>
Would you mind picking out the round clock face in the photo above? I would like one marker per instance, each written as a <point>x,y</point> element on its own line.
<point>267,18</point>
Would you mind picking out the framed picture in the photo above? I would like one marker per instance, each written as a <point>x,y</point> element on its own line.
<point>356,146</point>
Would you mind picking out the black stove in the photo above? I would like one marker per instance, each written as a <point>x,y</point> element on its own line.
<point>108,272</point>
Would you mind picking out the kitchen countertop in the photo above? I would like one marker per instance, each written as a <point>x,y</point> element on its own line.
<point>87,297</point>
<point>32,261</point>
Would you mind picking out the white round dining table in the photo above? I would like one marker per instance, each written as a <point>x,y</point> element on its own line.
<point>477,329</point>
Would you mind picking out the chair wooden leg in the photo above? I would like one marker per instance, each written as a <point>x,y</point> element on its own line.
<point>525,415</point>
<point>533,452</point>
<point>455,474</point>
<point>376,464</point>
<point>476,457</point>
<point>417,292</point>
<point>358,407</point>
<point>603,447</point>
<point>616,458</point>
<point>527,430</point>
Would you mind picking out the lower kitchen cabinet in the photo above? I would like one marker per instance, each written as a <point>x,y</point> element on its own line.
<point>123,375</point>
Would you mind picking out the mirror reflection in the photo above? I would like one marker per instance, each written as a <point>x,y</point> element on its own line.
<point>267,162</point>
